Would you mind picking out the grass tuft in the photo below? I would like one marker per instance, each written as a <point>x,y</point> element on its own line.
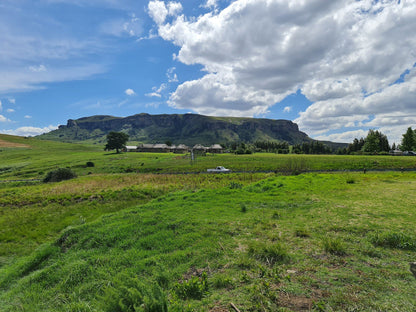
<point>334,246</point>
<point>127,293</point>
<point>193,288</point>
<point>302,232</point>
<point>268,252</point>
<point>394,240</point>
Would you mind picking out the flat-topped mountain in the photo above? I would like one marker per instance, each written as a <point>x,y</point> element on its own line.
<point>187,128</point>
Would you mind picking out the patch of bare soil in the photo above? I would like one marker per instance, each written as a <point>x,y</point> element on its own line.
<point>296,303</point>
<point>11,144</point>
<point>220,308</point>
<point>301,303</point>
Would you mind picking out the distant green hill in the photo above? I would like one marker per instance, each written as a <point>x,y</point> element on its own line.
<point>187,129</point>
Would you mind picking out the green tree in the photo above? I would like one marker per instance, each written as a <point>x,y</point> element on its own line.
<point>408,140</point>
<point>116,140</point>
<point>355,146</point>
<point>375,142</point>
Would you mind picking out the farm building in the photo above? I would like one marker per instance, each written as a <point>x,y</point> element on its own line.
<point>162,148</point>
<point>179,149</point>
<point>216,148</point>
<point>131,148</point>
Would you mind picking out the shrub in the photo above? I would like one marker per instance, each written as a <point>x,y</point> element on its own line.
<point>243,207</point>
<point>60,174</point>
<point>350,181</point>
<point>295,166</point>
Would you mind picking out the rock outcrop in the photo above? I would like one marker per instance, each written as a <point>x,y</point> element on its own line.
<point>187,128</point>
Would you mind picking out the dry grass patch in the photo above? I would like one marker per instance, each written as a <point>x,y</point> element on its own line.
<point>4,143</point>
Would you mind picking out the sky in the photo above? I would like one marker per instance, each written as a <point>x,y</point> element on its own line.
<point>336,68</point>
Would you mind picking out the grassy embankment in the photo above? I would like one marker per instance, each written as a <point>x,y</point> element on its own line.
<point>199,242</point>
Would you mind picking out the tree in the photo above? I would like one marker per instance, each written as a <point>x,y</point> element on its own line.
<point>408,140</point>
<point>355,146</point>
<point>376,142</point>
<point>116,140</point>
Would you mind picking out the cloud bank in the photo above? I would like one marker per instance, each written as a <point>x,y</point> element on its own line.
<point>29,131</point>
<point>353,59</point>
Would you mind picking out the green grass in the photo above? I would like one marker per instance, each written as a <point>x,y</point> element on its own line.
<point>198,242</point>
<point>37,211</point>
<point>44,156</point>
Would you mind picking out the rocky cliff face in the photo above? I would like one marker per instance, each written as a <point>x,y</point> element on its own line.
<point>187,129</point>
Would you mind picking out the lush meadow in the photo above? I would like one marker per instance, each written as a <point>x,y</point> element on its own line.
<point>126,236</point>
<point>39,157</point>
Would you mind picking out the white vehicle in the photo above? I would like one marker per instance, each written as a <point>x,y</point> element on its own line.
<point>219,169</point>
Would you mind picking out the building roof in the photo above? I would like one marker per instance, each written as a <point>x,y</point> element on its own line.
<point>199,146</point>
<point>146,145</point>
<point>161,146</point>
<point>216,146</point>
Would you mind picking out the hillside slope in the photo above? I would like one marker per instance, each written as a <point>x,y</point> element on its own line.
<point>187,129</point>
<point>286,243</point>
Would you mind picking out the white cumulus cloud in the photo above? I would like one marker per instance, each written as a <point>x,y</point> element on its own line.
<point>345,56</point>
<point>130,92</point>
<point>157,91</point>
<point>4,119</point>
<point>159,11</point>
<point>28,131</point>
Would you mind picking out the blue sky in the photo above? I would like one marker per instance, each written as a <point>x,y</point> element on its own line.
<point>335,68</point>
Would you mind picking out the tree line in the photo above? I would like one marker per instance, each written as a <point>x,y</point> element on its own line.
<point>374,143</point>
<point>377,143</point>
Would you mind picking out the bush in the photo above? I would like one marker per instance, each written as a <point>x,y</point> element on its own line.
<point>60,174</point>
<point>243,207</point>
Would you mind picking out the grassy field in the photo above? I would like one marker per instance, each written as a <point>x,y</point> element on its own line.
<point>37,157</point>
<point>127,238</point>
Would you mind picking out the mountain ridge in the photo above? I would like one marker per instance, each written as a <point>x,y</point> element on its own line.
<point>180,128</point>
